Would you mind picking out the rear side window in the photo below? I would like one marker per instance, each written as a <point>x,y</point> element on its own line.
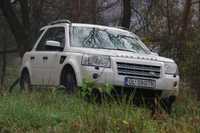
<point>52,34</point>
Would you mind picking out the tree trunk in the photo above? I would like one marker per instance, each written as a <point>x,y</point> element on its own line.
<point>168,19</point>
<point>25,15</point>
<point>199,11</point>
<point>37,12</point>
<point>182,37</point>
<point>94,11</point>
<point>186,17</point>
<point>3,68</point>
<point>76,11</point>
<point>126,21</point>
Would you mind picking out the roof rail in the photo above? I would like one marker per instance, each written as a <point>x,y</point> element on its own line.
<point>120,27</point>
<point>60,21</point>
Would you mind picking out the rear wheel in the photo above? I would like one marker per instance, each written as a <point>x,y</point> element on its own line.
<point>25,82</point>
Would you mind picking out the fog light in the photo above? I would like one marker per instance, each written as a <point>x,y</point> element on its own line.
<point>96,67</point>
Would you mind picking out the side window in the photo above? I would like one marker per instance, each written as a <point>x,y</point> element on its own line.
<point>36,36</point>
<point>52,34</point>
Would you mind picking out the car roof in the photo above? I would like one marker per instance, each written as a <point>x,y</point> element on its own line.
<point>86,25</point>
<point>99,27</point>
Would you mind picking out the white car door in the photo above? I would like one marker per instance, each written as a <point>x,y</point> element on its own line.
<point>37,62</point>
<point>48,57</point>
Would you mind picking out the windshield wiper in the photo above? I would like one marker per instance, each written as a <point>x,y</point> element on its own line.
<point>126,50</point>
<point>120,49</point>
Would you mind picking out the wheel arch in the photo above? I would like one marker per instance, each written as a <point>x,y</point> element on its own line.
<point>68,66</point>
<point>26,66</point>
<point>24,69</point>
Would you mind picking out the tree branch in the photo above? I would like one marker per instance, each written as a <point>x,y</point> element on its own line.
<point>126,21</point>
<point>18,29</point>
<point>107,6</point>
<point>195,2</point>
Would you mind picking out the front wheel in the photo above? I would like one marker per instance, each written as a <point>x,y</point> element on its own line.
<point>69,81</point>
<point>25,82</point>
<point>167,103</point>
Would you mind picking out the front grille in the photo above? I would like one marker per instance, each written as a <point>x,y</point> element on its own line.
<point>138,70</point>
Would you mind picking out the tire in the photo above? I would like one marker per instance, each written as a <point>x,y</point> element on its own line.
<point>167,103</point>
<point>69,81</point>
<point>25,82</point>
<point>96,96</point>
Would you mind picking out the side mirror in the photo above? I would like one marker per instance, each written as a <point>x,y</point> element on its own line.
<point>154,50</point>
<point>55,44</point>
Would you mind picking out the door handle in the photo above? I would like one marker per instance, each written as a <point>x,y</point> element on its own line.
<point>32,57</point>
<point>45,58</point>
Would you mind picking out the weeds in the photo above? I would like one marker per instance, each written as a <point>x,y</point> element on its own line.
<point>54,111</point>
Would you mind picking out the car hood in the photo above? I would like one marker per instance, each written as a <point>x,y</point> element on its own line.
<point>122,54</point>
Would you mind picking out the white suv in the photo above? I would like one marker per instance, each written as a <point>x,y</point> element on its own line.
<point>66,53</point>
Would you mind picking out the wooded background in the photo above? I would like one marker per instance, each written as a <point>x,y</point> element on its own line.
<point>170,26</point>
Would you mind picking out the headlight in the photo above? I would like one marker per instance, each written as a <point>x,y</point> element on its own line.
<point>96,60</point>
<point>171,68</point>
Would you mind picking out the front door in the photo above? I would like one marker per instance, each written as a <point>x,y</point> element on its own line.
<point>48,57</point>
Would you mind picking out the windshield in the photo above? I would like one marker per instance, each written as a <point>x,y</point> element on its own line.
<point>86,37</point>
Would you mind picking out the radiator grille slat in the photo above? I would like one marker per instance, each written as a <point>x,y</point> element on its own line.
<point>138,70</point>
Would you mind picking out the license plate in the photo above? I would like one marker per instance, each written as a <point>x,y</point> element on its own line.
<point>140,83</point>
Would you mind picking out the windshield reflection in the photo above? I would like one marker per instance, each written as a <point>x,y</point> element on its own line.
<point>106,39</point>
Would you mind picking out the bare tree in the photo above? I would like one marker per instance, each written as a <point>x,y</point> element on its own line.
<point>126,21</point>
<point>3,70</point>
<point>186,17</point>
<point>76,10</point>
<point>94,11</point>
<point>199,10</point>
<point>182,35</point>
<point>36,14</point>
<point>168,18</point>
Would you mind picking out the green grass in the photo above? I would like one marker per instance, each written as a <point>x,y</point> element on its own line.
<point>54,111</point>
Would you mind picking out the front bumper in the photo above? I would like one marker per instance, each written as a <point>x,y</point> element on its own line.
<point>167,84</point>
